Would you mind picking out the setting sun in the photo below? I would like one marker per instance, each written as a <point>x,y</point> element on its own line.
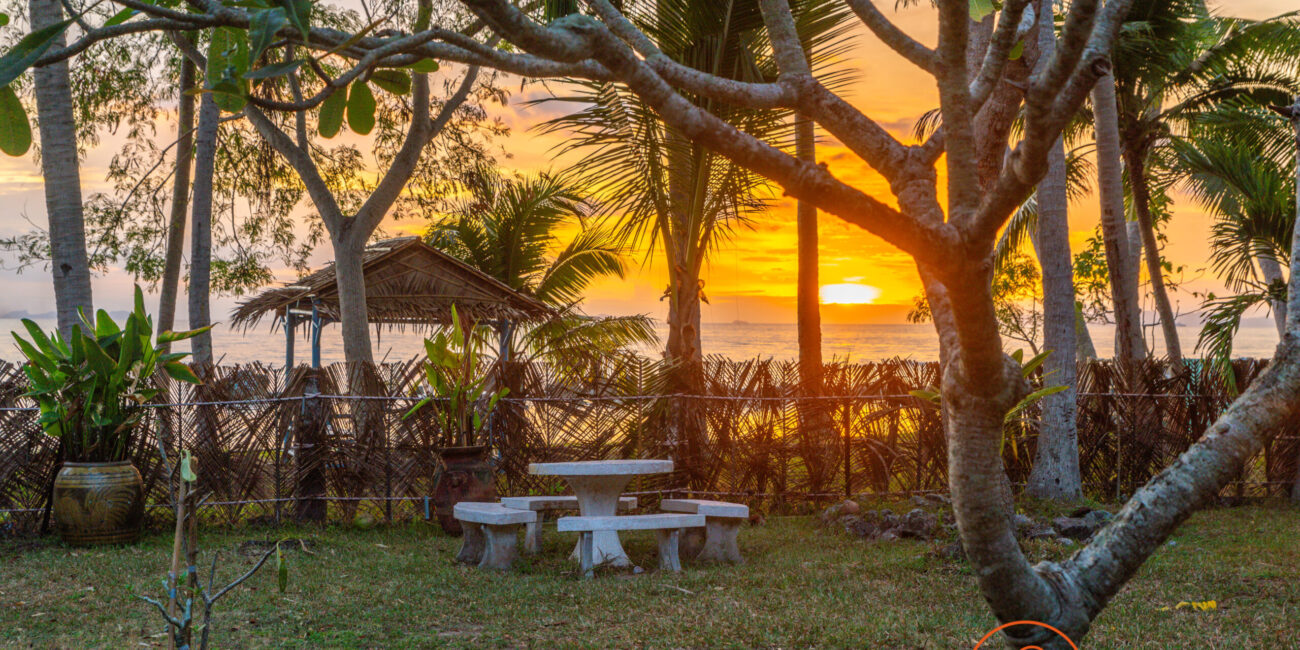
<point>849,293</point>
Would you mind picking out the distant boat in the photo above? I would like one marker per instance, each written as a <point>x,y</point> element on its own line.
<point>740,322</point>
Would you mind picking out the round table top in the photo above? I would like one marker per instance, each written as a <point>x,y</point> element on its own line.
<point>602,468</point>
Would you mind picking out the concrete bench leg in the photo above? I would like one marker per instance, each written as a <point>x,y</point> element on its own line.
<point>668,559</point>
<point>691,543</point>
<point>720,541</point>
<point>587,551</point>
<point>533,535</point>
<point>471,546</point>
<point>500,553</point>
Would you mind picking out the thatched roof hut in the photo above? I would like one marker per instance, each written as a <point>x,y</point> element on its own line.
<point>408,284</point>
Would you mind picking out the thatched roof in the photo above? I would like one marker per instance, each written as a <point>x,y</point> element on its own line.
<point>408,283</point>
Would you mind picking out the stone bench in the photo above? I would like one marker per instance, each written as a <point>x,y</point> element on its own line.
<point>667,525</point>
<point>489,533</point>
<point>543,505</point>
<point>722,526</point>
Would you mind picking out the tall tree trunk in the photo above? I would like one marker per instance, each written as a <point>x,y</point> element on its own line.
<point>1136,163</point>
<point>60,171</point>
<point>1129,346</point>
<point>1055,474</point>
<point>205,158</point>
<point>354,319</point>
<point>1084,349</point>
<point>808,297</point>
<point>1272,272</point>
<point>180,200</point>
<point>815,427</point>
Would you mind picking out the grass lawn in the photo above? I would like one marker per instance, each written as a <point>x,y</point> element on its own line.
<point>803,586</point>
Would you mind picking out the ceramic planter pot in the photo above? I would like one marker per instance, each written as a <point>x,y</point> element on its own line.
<point>465,475</point>
<point>98,503</point>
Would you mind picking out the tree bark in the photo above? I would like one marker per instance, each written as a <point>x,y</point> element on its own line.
<point>170,283</point>
<point>60,169</point>
<point>1084,349</point>
<point>349,251</point>
<point>1129,346</point>
<point>1136,162</point>
<point>1055,474</point>
<point>200,289</point>
<point>1272,272</point>
<point>809,285</point>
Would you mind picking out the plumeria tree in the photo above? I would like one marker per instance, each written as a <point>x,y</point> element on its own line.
<point>951,240</point>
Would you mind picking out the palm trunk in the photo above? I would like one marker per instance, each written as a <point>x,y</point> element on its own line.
<point>205,154</point>
<point>1272,272</point>
<point>1129,346</point>
<point>1055,474</point>
<point>180,201</point>
<point>1136,163</point>
<point>808,299</point>
<point>60,169</point>
<point>1084,349</point>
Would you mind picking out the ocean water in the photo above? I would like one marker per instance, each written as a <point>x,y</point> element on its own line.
<point>863,342</point>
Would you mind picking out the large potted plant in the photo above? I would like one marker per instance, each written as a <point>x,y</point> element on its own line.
<point>461,398</point>
<point>92,389</point>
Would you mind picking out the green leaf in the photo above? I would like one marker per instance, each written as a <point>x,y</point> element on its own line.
<point>980,9</point>
<point>1033,363</point>
<point>104,325</point>
<point>15,129</point>
<point>181,372</point>
<point>331,113</point>
<point>4,19</point>
<point>25,52</point>
<point>227,63</point>
<point>424,66</point>
<point>281,570</point>
<point>1017,50</point>
<point>928,395</point>
<point>120,17</point>
<point>299,12</point>
<point>394,81</point>
<point>229,95</point>
<point>361,108</point>
<point>44,362</point>
<point>187,467</point>
<point>171,337</point>
<point>274,70</point>
<point>262,28</point>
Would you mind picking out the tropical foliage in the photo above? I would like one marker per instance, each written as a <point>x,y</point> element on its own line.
<point>461,392</point>
<point>92,388</point>
<point>678,196</point>
<point>536,235</point>
<point>1240,165</point>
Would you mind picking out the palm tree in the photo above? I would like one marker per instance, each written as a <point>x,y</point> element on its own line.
<point>679,196</point>
<point>517,230</point>
<point>60,169</point>
<point>1175,62</point>
<point>1240,165</point>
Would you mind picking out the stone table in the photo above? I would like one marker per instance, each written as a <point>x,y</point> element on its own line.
<point>598,485</point>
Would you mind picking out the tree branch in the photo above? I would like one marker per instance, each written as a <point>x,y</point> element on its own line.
<point>920,55</point>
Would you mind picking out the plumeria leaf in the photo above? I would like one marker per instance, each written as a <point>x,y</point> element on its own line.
<point>361,108</point>
<point>15,128</point>
<point>331,113</point>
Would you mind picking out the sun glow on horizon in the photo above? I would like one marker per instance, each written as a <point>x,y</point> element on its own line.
<point>849,293</point>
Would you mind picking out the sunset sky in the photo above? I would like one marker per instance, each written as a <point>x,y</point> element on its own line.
<point>751,276</point>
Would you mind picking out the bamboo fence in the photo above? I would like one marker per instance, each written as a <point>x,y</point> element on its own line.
<point>271,449</point>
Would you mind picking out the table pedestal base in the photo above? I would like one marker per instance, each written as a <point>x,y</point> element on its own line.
<point>598,497</point>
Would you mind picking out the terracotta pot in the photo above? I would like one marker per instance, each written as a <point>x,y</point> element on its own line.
<point>465,475</point>
<point>98,503</point>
